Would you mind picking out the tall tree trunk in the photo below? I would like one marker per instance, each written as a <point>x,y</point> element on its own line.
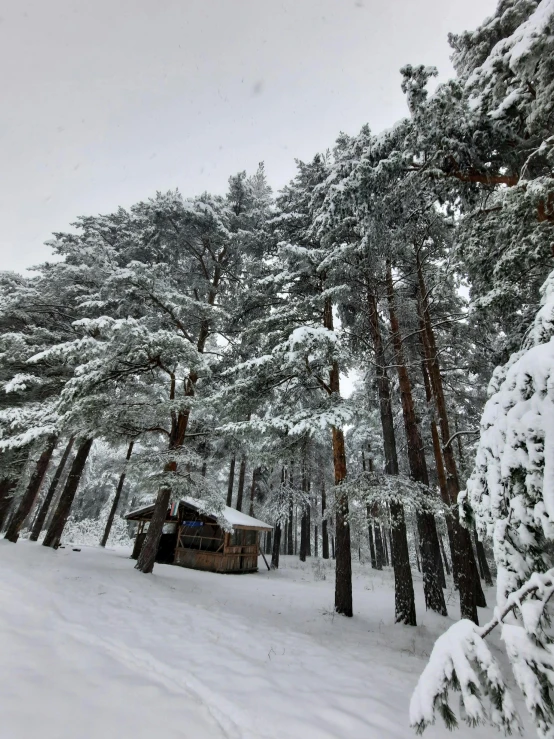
<point>268,546</point>
<point>324,530</point>
<point>30,495</point>
<point>379,550</point>
<point>343,568</point>
<point>417,550</point>
<point>428,537</point>
<point>403,584</point>
<point>444,558</point>
<point>309,529</point>
<point>242,475</point>
<point>369,519</point>
<point>147,556</point>
<point>117,496</point>
<point>469,584</point>
<point>482,558</point>
<point>370,539</point>
<point>253,488</point>
<point>385,546</point>
<point>290,540</point>
<point>7,486</point>
<point>57,525</point>
<point>43,511</point>
<point>231,482</point>
<point>304,519</point>
<point>276,547</point>
<point>439,464</point>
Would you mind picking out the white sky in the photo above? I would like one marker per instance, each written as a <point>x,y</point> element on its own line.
<point>106,101</point>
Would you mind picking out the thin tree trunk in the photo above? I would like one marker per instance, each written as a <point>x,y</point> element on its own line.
<point>276,547</point>
<point>333,552</point>
<point>416,548</point>
<point>309,529</point>
<point>428,537</point>
<point>324,531</point>
<point>268,547</point>
<point>370,539</point>
<point>30,495</point>
<point>117,496</point>
<point>439,464</point>
<point>290,540</point>
<point>343,568</point>
<point>444,557</point>
<point>304,519</point>
<point>43,511</point>
<point>255,475</point>
<point>57,525</point>
<point>379,551</point>
<point>482,558</point>
<point>242,475</point>
<point>385,546</point>
<point>231,482</point>
<point>469,584</point>
<point>403,584</point>
<point>7,485</point>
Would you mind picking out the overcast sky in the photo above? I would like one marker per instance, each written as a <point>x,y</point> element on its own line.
<point>106,101</point>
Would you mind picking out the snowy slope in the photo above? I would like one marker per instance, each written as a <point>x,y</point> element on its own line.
<point>92,649</point>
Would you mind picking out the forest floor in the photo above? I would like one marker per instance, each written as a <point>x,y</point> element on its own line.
<point>92,649</point>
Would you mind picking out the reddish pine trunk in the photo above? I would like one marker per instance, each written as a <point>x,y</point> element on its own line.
<point>343,554</point>
<point>30,495</point>
<point>59,519</point>
<point>242,475</point>
<point>469,585</point>
<point>429,541</point>
<point>43,511</point>
<point>403,584</point>
<point>117,496</point>
<point>231,482</point>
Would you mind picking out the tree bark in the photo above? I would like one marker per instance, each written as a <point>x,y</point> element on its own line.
<point>343,567</point>
<point>57,525</point>
<point>242,475</point>
<point>403,584</point>
<point>147,556</point>
<point>276,547</point>
<point>324,531</point>
<point>370,539</point>
<point>231,482</point>
<point>253,488</point>
<point>427,529</point>
<point>482,558</point>
<point>117,496</point>
<point>7,485</point>
<point>379,550</point>
<point>290,541</point>
<point>43,511</point>
<point>30,495</point>
<point>469,584</point>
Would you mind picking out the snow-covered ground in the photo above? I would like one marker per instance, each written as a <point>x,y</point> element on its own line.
<point>92,649</point>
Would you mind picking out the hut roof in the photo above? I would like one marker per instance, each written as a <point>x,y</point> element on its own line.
<point>234,518</point>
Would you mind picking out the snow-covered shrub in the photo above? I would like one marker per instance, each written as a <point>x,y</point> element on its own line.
<point>511,494</point>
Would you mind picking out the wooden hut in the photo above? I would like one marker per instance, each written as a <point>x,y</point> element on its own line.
<point>195,539</point>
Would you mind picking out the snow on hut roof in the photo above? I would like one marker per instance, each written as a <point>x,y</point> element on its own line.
<point>234,518</point>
